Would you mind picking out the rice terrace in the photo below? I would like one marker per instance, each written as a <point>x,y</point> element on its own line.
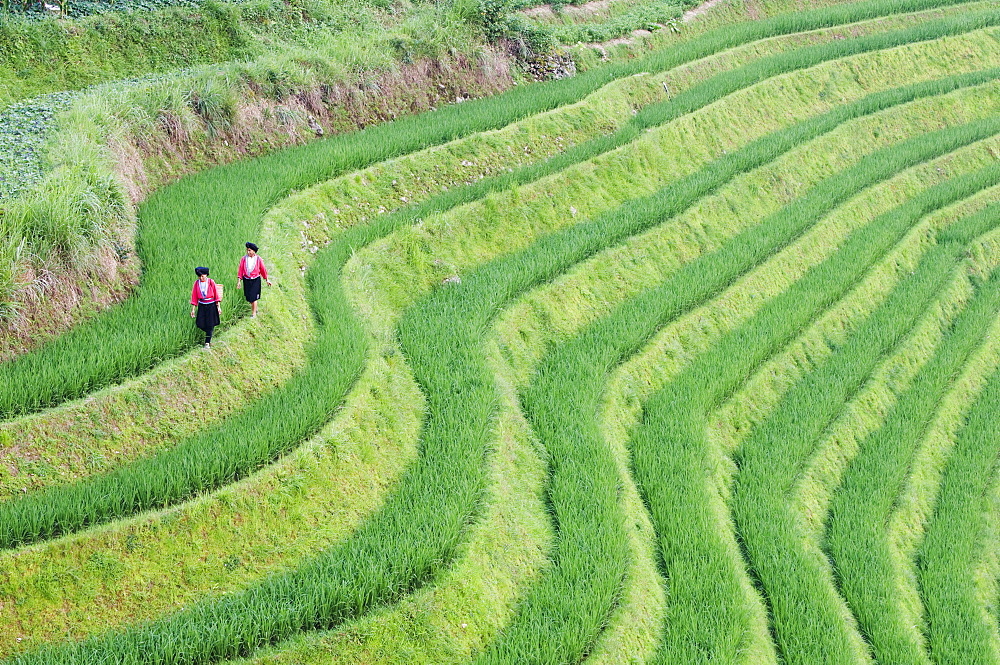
<point>607,332</point>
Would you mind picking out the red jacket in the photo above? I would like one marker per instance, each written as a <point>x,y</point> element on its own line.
<point>259,271</point>
<point>213,293</point>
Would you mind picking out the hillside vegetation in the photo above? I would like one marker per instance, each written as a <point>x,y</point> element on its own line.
<point>692,356</point>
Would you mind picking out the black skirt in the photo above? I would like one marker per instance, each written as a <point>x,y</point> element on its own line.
<point>251,289</point>
<point>208,316</point>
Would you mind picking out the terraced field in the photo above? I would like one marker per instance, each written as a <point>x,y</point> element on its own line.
<point>692,357</point>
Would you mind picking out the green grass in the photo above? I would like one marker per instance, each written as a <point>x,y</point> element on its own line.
<point>570,14</point>
<point>648,16</point>
<point>40,57</point>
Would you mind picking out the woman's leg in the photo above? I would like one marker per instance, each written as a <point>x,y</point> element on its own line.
<point>251,290</point>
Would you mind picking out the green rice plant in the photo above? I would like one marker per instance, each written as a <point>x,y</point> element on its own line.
<point>602,558</point>
<point>959,628</point>
<point>132,488</point>
<point>221,453</point>
<point>664,357</point>
<point>916,502</point>
<point>922,501</point>
<point>743,202</point>
<point>126,422</point>
<point>79,361</point>
<point>327,645</point>
<point>822,476</point>
<point>653,159</point>
<point>273,521</point>
<point>584,409</point>
<point>216,455</point>
<point>364,234</point>
<point>39,432</point>
<point>761,393</point>
<point>352,636</point>
<point>355,198</point>
<point>817,480</point>
<point>771,544</point>
<point>449,620</point>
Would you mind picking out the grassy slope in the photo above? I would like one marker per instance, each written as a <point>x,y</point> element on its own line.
<point>54,55</point>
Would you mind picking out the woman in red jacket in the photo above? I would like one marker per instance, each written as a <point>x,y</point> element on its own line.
<point>250,272</point>
<point>206,306</point>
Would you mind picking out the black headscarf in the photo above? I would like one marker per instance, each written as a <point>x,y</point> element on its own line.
<point>201,271</point>
<point>252,246</point>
